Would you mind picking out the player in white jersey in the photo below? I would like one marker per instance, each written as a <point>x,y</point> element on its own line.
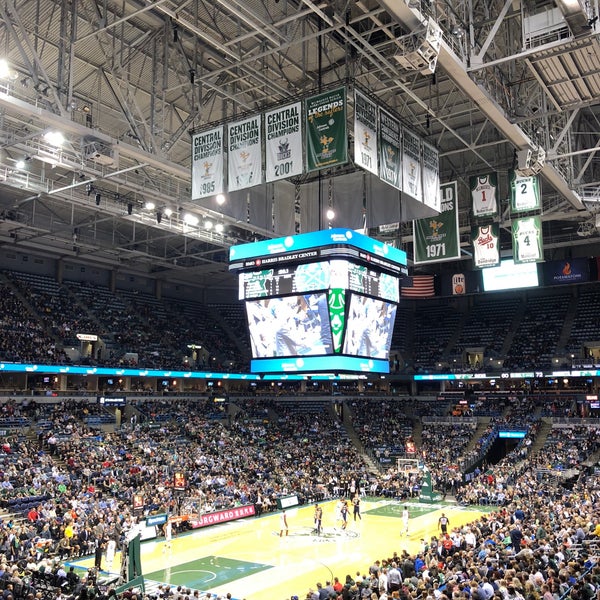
<point>405,520</point>
<point>485,247</point>
<point>483,194</point>
<point>527,240</point>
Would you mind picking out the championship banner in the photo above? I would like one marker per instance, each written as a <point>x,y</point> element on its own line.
<point>390,149</point>
<point>411,165</point>
<point>207,163</point>
<point>486,246</point>
<point>326,130</point>
<point>244,154</point>
<point>431,177</point>
<point>436,239</point>
<point>527,240</point>
<point>283,142</point>
<point>484,194</point>
<point>365,133</point>
<point>524,192</point>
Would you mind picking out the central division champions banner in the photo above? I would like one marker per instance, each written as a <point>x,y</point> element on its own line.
<point>436,239</point>
<point>326,130</point>
<point>390,149</point>
<point>207,163</point>
<point>283,142</point>
<point>524,192</point>
<point>365,133</point>
<point>244,154</point>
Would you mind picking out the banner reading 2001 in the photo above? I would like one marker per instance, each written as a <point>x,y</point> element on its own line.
<point>326,130</point>
<point>436,238</point>
<point>283,142</point>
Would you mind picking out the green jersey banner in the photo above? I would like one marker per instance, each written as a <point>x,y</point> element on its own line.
<point>527,240</point>
<point>207,163</point>
<point>524,192</point>
<point>436,238</point>
<point>390,149</point>
<point>326,130</point>
<point>283,142</point>
<point>365,133</point>
<point>244,154</point>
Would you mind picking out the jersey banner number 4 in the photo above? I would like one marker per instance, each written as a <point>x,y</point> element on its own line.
<point>527,240</point>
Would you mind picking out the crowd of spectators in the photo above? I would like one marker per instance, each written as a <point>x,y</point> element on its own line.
<point>80,484</point>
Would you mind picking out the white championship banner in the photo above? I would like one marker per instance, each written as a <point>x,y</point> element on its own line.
<point>207,163</point>
<point>244,154</point>
<point>283,142</point>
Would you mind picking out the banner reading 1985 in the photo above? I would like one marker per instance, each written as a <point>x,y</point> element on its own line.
<point>283,142</point>
<point>326,130</point>
<point>365,133</point>
<point>207,163</point>
<point>436,238</point>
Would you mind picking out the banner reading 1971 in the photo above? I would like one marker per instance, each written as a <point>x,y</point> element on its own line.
<point>390,149</point>
<point>436,238</point>
<point>244,154</point>
<point>207,163</point>
<point>326,130</point>
<point>283,142</point>
<point>365,133</point>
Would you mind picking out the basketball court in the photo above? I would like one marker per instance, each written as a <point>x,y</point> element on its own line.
<point>250,560</point>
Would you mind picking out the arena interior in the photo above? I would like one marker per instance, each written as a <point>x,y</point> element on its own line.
<point>132,427</point>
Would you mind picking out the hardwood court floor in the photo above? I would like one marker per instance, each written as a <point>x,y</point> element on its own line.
<point>250,560</point>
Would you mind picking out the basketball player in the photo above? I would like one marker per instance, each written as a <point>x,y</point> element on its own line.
<point>405,519</point>
<point>283,524</point>
<point>318,519</point>
<point>168,535</point>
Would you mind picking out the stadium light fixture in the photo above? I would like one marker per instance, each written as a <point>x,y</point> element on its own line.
<point>54,138</point>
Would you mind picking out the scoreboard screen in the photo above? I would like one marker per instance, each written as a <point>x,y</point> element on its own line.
<point>369,327</point>
<point>318,276</point>
<point>319,302</point>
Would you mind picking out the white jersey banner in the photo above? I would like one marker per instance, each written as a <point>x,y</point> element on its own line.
<point>283,142</point>
<point>244,153</point>
<point>365,133</point>
<point>431,177</point>
<point>411,165</point>
<point>207,163</point>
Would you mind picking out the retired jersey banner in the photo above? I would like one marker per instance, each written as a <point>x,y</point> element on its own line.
<point>244,154</point>
<point>527,240</point>
<point>524,192</point>
<point>436,238</point>
<point>484,194</point>
<point>283,142</point>
<point>326,130</point>
<point>411,165</point>
<point>207,163</point>
<point>390,149</point>
<point>486,246</point>
<point>431,177</point>
<point>365,133</point>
